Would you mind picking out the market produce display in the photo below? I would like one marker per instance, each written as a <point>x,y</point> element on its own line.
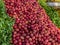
<point>32,25</point>
<point>6,21</point>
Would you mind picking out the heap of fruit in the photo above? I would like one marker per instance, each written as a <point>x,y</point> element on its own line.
<point>32,25</point>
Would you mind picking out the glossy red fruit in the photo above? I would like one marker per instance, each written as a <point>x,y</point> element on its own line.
<point>32,25</point>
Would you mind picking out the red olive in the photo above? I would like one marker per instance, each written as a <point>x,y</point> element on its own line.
<point>32,25</point>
